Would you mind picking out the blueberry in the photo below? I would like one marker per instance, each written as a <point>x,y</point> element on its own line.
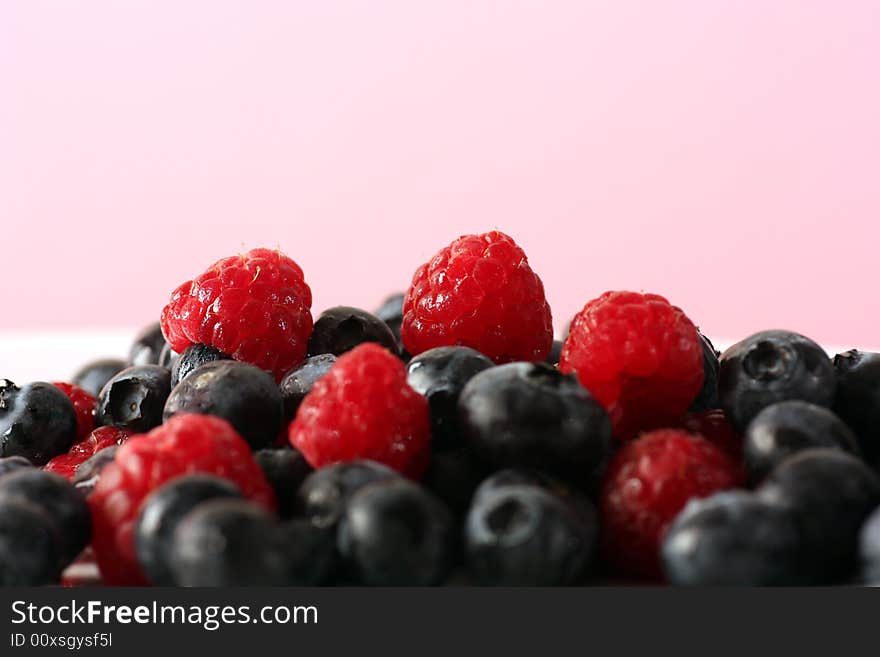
<point>788,427</point>
<point>63,503</point>
<point>93,376</point>
<point>532,415</point>
<point>395,533</point>
<point>731,539</point>
<point>771,367</point>
<point>134,398</point>
<point>147,346</point>
<point>310,552</point>
<point>707,398</point>
<point>829,493</point>
<point>89,471</point>
<point>857,399</point>
<point>163,510</point>
<point>440,375</point>
<point>555,353</point>
<point>28,539</point>
<point>228,542</point>
<point>240,393</point>
<point>576,499</point>
<point>391,312</point>
<point>298,382</point>
<point>285,470</point>
<point>453,476</point>
<point>167,358</point>
<point>193,357</point>
<point>324,493</point>
<point>522,535</point>
<point>869,549</point>
<point>37,421</point>
<point>342,328</point>
<point>13,464</point>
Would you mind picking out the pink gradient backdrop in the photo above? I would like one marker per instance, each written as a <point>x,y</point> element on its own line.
<point>724,154</point>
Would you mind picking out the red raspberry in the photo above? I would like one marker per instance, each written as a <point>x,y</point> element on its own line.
<point>647,483</point>
<point>66,464</point>
<point>84,405</point>
<point>363,408</point>
<point>714,427</point>
<point>479,292</point>
<point>640,357</point>
<point>254,307</point>
<point>186,444</point>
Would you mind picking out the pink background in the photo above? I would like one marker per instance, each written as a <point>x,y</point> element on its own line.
<point>724,154</point>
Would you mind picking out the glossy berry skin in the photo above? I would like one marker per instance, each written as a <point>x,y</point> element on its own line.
<point>254,307</point>
<point>714,427</point>
<point>522,535</point>
<point>193,357</point>
<point>13,464</point>
<point>364,409</point>
<point>88,473</point>
<point>186,444</point>
<point>857,398</point>
<point>324,494</point>
<point>93,376</point>
<point>771,367</point>
<point>395,533</point>
<point>242,394</point>
<point>869,549</point>
<point>147,346</point>
<point>641,357</point>
<point>37,421</point>
<point>575,498</point>
<point>168,357</point>
<point>68,464</point>
<point>28,545</point>
<point>391,312</point>
<point>84,405</point>
<point>789,427</point>
<point>134,399</point>
<point>228,542</point>
<point>162,511</point>
<point>707,398</point>
<point>440,374</point>
<point>531,415</point>
<point>647,483</point>
<point>829,494</point>
<point>285,470</point>
<point>298,382</point>
<point>479,292</point>
<point>732,538</point>
<point>64,505</point>
<point>342,328</point>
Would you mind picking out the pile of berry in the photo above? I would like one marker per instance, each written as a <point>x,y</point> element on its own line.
<point>446,438</point>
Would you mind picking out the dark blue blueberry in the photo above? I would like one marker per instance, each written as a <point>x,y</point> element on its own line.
<point>869,549</point>
<point>285,470</point>
<point>770,367</point>
<point>829,493</point>
<point>229,542</point>
<point>147,346</point>
<point>28,545</point>
<point>788,427</point>
<point>298,382</point>
<point>134,399</point>
<point>453,476</point>
<point>89,471</point>
<point>163,510</point>
<point>13,463</point>
<point>310,552</point>
<point>324,493</point>
<point>522,535</point>
<point>37,421</point>
<point>857,399</point>
<point>240,393</point>
<point>391,312</point>
<point>93,376</point>
<point>342,328</point>
<point>61,501</point>
<point>192,358</point>
<point>167,358</point>
<point>440,375</point>
<point>707,398</point>
<point>395,533</point>
<point>531,415</point>
<point>575,498</point>
<point>732,539</point>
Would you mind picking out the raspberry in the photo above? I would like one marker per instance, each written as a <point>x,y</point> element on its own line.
<point>647,483</point>
<point>364,409</point>
<point>186,444</point>
<point>84,405</point>
<point>479,292</point>
<point>640,357</point>
<point>714,427</point>
<point>254,307</point>
<point>66,464</point>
